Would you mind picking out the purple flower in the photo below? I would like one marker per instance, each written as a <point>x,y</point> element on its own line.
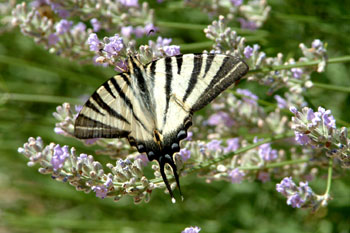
<point>214,145</point>
<point>126,31</point>
<point>94,42</point>
<point>114,46</point>
<point>150,27</point>
<point>59,131</point>
<point>143,158</point>
<point>313,117</point>
<point>80,27</point>
<point>264,176</point>
<point>129,3</point>
<point>82,157</point>
<point>236,176</point>
<point>296,196</point>
<point>78,108</point>
<point>301,138</point>
<point>122,66</point>
<point>317,44</point>
<point>100,190</point>
<point>161,42</point>
<point>281,103</point>
<point>293,110</point>
<point>53,39</point>
<point>328,119</point>
<point>295,200</point>
<point>62,13</point>
<point>232,145</point>
<point>297,72</point>
<point>172,50</point>
<point>248,51</point>
<point>60,154</point>
<point>285,185</point>
<point>63,26</point>
<point>267,153</point>
<point>109,182</point>
<point>191,230</point>
<point>185,154</point>
<point>189,136</point>
<point>237,2</point>
<point>251,97</point>
<point>221,118</point>
<point>305,188</point>
<point>38,3</point>
<point>245,24</point>
<point>96,25</point>
<point>139,31</point>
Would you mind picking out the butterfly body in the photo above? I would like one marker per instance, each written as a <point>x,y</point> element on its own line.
<point>152,105</point>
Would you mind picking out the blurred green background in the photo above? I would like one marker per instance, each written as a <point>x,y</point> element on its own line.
<point>31,202</point>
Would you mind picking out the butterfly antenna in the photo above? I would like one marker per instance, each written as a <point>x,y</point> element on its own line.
<point>173,166</point>
<point>161,168</point>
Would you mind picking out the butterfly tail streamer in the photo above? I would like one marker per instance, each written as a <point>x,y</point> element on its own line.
<point>162,163</point>
<point>173,166</point>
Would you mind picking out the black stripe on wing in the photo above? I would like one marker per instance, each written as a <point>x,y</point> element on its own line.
<point>93,107</point>
<point>179,63</point>
<point>86,127</point>
<point>169,77</point>
<point>125,78</point>
<point>222,80</point>
<point>127,101</point>
<point>97,98</point>
<point>197,65</point>
<point>208,62</point>
<point>106,86</point>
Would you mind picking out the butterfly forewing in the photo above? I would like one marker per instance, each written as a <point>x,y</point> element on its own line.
<point>184,84</point>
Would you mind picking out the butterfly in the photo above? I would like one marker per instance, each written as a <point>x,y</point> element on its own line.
<point>152,105</point>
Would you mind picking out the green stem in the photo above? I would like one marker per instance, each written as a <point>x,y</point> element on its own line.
<point>329,178</point>
<point>331,87</point>
<point>191,26</point>
<point>189,47</point>
<point>273,165</point>
<point>39,98</point>
<point>325,86</point>
<point>300,64</point>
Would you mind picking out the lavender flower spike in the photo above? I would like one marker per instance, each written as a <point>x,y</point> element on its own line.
<point>114,46</point>
<point>59,157</point>
<point>63,26</point>
<point>194,229</point>
<point>94,42</point>
<point>96,25</point>
<point>300,196</point>
<point>236,176</point>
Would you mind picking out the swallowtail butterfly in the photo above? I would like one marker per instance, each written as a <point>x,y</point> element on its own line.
<point>152,105</point>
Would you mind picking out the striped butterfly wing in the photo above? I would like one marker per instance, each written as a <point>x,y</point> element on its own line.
<point>186,83</point>
<point>181,85</point>
<point>111,112</point>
